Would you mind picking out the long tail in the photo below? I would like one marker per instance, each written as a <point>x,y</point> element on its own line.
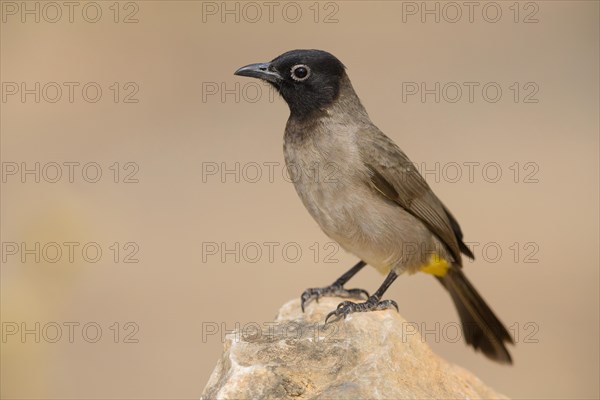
<point>481,328</point>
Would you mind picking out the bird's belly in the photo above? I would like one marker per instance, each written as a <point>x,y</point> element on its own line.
<point>377,231</point>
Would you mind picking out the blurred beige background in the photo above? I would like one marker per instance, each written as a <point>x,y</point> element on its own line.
<point>152,328</point>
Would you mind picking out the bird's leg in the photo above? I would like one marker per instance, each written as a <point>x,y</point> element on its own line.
<point>373,303</point>
<point>336,289</point>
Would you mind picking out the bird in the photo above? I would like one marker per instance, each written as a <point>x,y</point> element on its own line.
<point>366,194</point>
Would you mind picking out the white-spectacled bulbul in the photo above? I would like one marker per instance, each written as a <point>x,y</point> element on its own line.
<point>375,204</point>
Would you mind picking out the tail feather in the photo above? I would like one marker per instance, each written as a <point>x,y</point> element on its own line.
<point>481,328</point>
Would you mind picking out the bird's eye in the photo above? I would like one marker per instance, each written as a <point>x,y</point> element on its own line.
<point>300,72</point>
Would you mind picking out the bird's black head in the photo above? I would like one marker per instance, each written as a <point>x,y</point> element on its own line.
<point>308,80</point>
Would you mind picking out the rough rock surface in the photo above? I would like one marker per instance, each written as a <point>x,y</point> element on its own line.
<point>367,356</point>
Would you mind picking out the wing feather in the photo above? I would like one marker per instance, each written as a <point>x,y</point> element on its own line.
<point>394,176</point>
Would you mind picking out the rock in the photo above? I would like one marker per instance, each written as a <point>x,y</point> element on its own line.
<point>369,355</point>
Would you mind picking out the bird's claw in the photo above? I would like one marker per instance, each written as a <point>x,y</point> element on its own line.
<point>372,304</point>
<point>331,291</point>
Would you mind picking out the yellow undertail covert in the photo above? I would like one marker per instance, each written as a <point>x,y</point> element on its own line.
<point>437,266</point>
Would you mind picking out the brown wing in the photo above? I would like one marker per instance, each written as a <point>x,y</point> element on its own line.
<point>394,176</point>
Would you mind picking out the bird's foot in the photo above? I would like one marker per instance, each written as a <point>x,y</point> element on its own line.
<point>331,291</point>
<point>372,304</point>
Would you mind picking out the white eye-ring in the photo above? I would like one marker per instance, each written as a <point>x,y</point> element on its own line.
<point>300,72</point>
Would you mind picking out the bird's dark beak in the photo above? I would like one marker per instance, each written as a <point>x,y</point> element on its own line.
<point>260,71</point>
